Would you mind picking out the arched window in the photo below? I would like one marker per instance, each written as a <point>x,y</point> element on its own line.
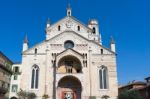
<point>103,78</point>
<point>35,77</point>
<point>59,28</point>
<point>102,51</point>
<point>69,13</point>
<point>35,51</point>
<point>78,28</point>
<point>94,30</point>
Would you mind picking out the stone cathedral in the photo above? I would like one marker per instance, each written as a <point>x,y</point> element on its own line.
<point>71,63</point>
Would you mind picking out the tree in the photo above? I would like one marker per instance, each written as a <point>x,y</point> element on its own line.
<point>129,95</point>
<point>31,95</point>
<point>22,94</point>
<point>105,97</point>
<point>26,95</point>
<point>45,96</point>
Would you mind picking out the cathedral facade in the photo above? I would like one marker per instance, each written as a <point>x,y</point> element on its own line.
<point>71,63</point>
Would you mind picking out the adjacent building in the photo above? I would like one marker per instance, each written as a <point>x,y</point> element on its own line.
<point>15,81</point>
<point>5,75</point>
<point>71,63</point>
<point>143,88</point>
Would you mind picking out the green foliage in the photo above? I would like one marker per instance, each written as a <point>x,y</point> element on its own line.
<point>22,94</point>
<point>6,98</point>
<point>92,97</point>
<point>3,90</point>
<point>105,97</point>
<point>26,95</point>
<point>129,95</point>
<point>45,96</point>
<point>31,95</point>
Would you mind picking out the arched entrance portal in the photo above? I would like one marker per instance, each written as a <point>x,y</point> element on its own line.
<point>13,98</point>
<point>69,87</point>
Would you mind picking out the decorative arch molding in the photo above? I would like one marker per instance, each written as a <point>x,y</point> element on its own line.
<point>35,66</point>
<point>69,52</point>
<point>76,77</point>
<point>69,85</point>
<point>102,66</point>
<point>13,98</point>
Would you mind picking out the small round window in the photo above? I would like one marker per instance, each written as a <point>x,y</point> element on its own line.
<point>68,44</point>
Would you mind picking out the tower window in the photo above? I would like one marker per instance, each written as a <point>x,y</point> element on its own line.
<point>102,52</point>
<point>69,13</point>
<point>35,51</point>
<point>78,28</point>
<point>94,30</point>
<point>59,28</point>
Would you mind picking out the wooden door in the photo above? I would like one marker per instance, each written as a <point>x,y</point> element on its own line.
<point>69,95</point>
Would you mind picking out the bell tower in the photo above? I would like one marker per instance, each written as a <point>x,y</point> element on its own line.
<point>69,12</point>
<point>93,24</point>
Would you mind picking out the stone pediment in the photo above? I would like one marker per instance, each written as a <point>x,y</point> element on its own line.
<point>69,52</point>
<point>69,23</point>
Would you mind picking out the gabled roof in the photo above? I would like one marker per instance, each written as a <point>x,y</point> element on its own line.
<point>68,50</point>
<point>44,41</point>
<point>75,34</point>
<point>72,18</point>
<point>80,22</point>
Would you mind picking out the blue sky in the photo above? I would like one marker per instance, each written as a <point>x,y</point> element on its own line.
<point>128,21</point>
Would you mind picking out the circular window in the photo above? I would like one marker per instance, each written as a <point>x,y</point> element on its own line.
<point>69,44</point>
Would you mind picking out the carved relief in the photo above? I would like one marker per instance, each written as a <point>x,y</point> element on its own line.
<point>69,23</point>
